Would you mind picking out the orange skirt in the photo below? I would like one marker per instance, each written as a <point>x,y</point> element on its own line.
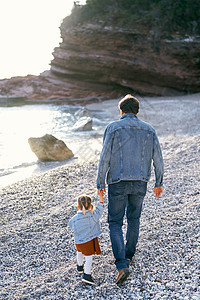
<point>89,248</point>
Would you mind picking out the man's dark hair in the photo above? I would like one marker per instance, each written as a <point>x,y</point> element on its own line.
<point>129,104</point>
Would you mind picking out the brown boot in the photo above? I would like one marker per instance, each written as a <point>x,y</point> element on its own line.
<point>122,275</point>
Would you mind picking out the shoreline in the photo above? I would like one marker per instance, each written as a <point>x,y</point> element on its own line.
<point>38,254</point>
<point>168,115</point>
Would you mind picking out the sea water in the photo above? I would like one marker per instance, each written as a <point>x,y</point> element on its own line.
<point>19,123</point>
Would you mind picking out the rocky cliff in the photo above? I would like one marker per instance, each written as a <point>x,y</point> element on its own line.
<point>112,60</point>
<point>96,61</point>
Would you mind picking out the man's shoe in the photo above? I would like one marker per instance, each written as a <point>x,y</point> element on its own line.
<point>87,278</point>
<point>122,275</point>
<point>131,262</point>
<point>80,269</point>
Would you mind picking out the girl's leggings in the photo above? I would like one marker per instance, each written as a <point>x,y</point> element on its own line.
<point>88,262</point>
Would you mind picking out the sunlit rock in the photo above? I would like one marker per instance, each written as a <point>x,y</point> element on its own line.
<point>82,112</point>
<point>83,124</point>
<point>48,148</point>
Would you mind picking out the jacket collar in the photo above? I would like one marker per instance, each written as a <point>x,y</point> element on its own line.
<point>80,211</point>
<point>129,115</point>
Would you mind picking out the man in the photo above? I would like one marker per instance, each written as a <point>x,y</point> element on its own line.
<point>129,147</point>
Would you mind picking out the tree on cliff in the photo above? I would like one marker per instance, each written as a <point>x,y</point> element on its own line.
<point>170,16</point>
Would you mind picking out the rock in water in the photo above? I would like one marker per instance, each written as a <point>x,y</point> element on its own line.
<point>82,112</point>
<point>83,124</point>
<point>48,148</point>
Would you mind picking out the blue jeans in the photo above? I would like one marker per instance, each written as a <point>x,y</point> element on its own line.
<point>125,196</point>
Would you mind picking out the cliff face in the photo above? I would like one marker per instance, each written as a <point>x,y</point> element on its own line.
<point>117,60</point>
<point>95,61</point>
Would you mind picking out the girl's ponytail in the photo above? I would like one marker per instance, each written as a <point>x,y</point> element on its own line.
<point>84,210</point>
<point>92,208</point>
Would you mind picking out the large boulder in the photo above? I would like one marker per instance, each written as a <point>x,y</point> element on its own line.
<point>48,148</point>
<point>83,124</point>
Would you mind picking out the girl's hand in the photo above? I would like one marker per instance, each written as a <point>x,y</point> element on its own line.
<point>101,193</point>
<point>100,198</point>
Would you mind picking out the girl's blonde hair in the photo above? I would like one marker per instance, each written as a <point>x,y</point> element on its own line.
<point>84,203</point>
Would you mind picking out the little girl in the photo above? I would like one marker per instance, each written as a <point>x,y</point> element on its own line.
<point>86,228</point>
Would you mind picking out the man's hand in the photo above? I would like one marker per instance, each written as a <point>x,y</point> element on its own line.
<point>101,193</point>
<point>158,191</point>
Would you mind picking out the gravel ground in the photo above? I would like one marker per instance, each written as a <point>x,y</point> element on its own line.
<point>37,253</point>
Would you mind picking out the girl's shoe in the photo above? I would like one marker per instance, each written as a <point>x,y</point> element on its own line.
<point>87,278</point>
<point>80,269</point>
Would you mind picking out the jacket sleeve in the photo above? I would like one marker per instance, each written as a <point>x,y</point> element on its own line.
<point>158,162</point>
<point>71,223</point>
<point>98,212</point>
<point>104,161</point>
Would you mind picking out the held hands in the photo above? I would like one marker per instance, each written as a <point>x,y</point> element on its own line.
<point>101,193</point>
<point>158,191</point>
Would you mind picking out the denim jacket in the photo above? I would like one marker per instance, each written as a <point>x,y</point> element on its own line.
<point>129,147</point>
<point>86,227</point>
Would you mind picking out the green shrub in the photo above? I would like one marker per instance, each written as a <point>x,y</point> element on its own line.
<point>169,16</point>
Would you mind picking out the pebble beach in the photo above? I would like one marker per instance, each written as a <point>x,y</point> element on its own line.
<point>37,253</point>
